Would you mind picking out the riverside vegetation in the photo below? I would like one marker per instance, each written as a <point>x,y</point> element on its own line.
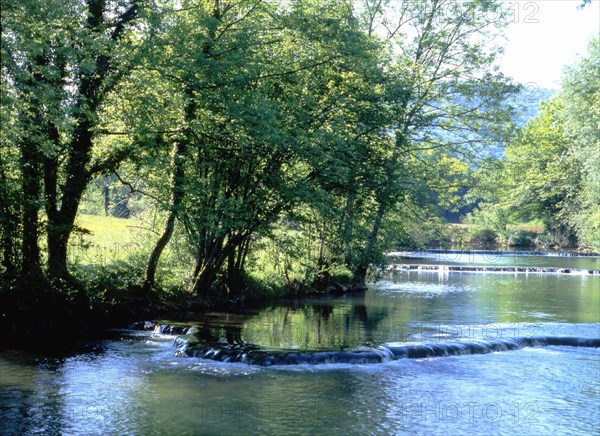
<point>249,149</point>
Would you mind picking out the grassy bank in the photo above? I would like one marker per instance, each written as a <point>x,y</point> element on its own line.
<point>107,261</point>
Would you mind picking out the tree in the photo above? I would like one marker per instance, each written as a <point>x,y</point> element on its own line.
<point>581,117</point>
<point>451,100</point>
<point>550,171</point>
<point>62,60</point>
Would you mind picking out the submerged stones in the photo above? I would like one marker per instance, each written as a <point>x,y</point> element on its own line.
<point>254,356</point>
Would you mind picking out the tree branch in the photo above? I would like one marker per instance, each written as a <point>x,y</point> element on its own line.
<point>129,15</point>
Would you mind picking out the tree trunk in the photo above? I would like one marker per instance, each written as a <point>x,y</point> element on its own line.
<point>8,230</point>
<point>106,195</point>
<point>360,273</point>
<point>207,267</point>
<point>31,186</point>
<point>205,279</point>
<point>61,225</point>
<point>235,264</point>
<point>177,194</point>
<point>348,227</point>
<point>57,253</point>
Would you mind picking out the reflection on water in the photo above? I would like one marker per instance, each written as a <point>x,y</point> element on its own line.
<point>132,383</point>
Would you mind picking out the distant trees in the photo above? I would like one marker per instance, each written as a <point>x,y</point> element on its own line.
<point>550,171</point>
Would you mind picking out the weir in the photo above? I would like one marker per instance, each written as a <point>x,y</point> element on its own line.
<point>490,269</point>
<point>255,355</point>
<point>514,253</point>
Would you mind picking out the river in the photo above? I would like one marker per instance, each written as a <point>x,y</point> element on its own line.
<point>422,352</point>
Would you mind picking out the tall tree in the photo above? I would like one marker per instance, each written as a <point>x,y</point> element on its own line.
<point>452,100</point>
<point>64,59</point>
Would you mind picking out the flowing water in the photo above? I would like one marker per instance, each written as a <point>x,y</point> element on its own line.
<point>422,352</point>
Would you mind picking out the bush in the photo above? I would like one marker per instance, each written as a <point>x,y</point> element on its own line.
<point>522,238</point>
<point>588,228</point>
<point>492,224</point>
<point>458,236</point>
<point>556,238</point>
<point>483,236</point>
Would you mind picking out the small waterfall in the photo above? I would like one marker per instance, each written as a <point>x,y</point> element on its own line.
<point>504,253</point>
<point>485,347</point>
<point>251,354</point>
<point>162,328</point>
<point>491,269</point>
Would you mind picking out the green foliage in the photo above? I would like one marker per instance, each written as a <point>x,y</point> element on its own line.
<point>489,220</point>
<point>282,143</point>
<point>550,170</point>
<point>483,237</point>
<point>522,238</point>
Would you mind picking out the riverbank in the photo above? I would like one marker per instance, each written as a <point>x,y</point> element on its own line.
<point>524,236</point>
<point>40,314</point>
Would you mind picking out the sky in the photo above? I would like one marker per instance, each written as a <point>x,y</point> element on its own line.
<point>545,36</point>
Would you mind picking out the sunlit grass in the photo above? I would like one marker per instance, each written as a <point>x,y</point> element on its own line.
<point>532,226</point>
<point>102,240</point>
<point>114,242</point>
<point>106,230</point>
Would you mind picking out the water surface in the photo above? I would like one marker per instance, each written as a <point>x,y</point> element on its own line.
<point>132,383</point>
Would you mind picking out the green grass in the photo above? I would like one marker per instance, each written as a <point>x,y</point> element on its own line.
<point>117,243</point>
<point>102,239</point>
<point>107,230</point>
<point>532,226</point>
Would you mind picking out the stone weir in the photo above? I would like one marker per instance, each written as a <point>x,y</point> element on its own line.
<point>491,269</point>
<point>187,346</point>
<point>505,253</point>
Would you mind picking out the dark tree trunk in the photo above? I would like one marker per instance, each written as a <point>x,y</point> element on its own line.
<point>180,150</point>
<point>31,173</point>
<point>242,254</point>
<point>57,253</point>
<point>177,194</point>
<point>61,225</point>
<point>208,266</point>
<point>235,265</point>
<point>360,272</point>
<point>106,195</point>
<point>8,226</point>
<point>205,279</point>
<point>231,269</point>
<point>348,228</point>
<point>31,186</point>
<point>8,249</point>
<point>50,196</point>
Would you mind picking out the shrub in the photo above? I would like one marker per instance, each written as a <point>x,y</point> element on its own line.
<point>483,236</point>
<point>522,238</point>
